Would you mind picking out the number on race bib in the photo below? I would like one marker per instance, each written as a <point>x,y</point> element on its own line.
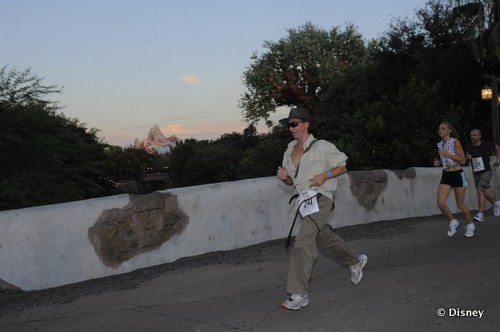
<point>308,202</point>
<point>478,164</point>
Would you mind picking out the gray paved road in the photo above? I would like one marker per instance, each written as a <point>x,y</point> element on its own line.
<point>413,272</point>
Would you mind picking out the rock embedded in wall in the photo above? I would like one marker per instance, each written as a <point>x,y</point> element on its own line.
<point>144,224</point>
<point>367,186</point>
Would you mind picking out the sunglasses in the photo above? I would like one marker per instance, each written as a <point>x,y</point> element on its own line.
<point>293,124</point>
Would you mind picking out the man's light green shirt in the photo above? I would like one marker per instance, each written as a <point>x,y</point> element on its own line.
<point>321,157</point>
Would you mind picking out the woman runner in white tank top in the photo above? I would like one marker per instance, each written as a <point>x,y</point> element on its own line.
<point>453,177</point>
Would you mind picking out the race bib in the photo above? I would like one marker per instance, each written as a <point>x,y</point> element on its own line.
<point>308,202</point>
<point>477,164</point>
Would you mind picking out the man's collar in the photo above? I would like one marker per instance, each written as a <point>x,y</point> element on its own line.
<point>308,141</point>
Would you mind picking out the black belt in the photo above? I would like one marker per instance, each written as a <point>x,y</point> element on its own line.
<point>318,195</point>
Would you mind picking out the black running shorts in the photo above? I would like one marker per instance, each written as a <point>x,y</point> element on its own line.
<point>455,179</point>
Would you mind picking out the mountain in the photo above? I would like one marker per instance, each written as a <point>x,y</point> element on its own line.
<point>156,142</point>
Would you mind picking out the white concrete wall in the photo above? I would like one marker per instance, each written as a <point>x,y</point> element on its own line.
<point>47,246</point>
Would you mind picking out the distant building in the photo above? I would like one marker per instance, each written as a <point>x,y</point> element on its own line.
<point>156,143</point>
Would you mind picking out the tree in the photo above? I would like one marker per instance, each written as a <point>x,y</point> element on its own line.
<point>45,157</point>
<point>264,158</point>
<point>127,167</point>
<point>183,153</point>
<point>22,88</point>
<point>420,72</point>
<point>481,20</point>
<point>296,68</point>
<point>493,33</point>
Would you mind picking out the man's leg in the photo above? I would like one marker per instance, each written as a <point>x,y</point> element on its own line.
<point>480,200</point>
<point>332,246</point>
<point>304,252</point>
<point>489,197</point>
<point>483,185</point>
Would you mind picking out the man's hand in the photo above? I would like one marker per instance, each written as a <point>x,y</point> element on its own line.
<point>318,180</point>
<point>282,173</point>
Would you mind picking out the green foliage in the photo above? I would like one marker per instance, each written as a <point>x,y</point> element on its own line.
<point>180,157</point>
<point>264,158</point>
<point>384,113</point>
<point>127,167</point>
<point>133,164</point>
<point>379,101</point>
<point>393,135</point>
<point>199,162</point>
<point>492,34</point>
<point>231,157</point>
<point>297,67</point>
<point>45,158</point>
<point>481,22</point>
<point>22,88</point>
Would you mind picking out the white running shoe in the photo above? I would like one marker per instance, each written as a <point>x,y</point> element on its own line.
<point>296,302</point>
<point>357,269</point>
<point>479,217</point>
<point>454,225</point>
<point>469,230</point>
<point>496,209</point>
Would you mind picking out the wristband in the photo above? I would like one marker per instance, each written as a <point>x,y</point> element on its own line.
<point>329,174</point>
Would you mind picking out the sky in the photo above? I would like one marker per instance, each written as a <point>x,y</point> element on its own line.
<point>126,65</point>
